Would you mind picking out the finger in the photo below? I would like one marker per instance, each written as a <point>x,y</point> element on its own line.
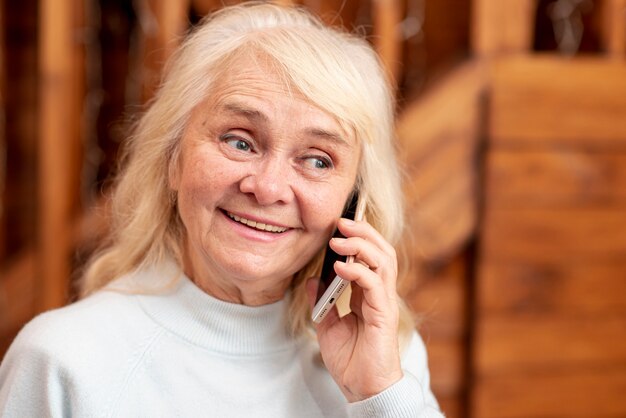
<point>363,229</point>
<point>370,254</point>
<point>378,300</point>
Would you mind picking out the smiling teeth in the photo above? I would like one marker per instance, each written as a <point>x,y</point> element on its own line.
<point>257,225</point>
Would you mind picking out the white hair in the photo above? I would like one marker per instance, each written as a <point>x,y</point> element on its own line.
<point>338,72</point>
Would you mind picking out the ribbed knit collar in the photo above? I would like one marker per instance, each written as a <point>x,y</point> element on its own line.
<point>172,300</point>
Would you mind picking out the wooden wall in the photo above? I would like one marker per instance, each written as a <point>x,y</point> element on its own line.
<point>551,283</point>
<point>550,308</point>
<point>441,159</point>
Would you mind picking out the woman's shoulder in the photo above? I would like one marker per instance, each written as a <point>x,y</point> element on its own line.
<point>111,319</point>
<point>113,312</point>
<point>415,356</point>
<point>76,350</point>
<point>69,329</point>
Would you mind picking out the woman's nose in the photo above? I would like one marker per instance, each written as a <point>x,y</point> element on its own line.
<point>269,182</point>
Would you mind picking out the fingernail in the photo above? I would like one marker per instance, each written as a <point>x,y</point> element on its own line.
<point>348,221</point>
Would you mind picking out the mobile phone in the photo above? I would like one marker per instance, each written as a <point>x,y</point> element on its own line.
<point>331,286</point>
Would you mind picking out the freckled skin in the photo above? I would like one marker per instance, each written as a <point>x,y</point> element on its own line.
<point>260,150</point>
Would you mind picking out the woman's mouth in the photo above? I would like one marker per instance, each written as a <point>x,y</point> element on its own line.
<point>256,225</point>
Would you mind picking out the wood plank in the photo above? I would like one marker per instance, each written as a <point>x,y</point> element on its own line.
<point>437,134</point>
<point>446,361</point>
<point>502,27</point>
<point>443,223</point>
<point>574,288</point>
<point>455,154</point>
<point>22,122</point>
<point>440,300</point>
<point>452,406</point>
<point>548,102</point>
<point>444,38</point>
<point>165,23</point>
<point>204,7</point>
<point>56,119</point>
<point>597,393</point>
<point>547,343</point>
<point>386,18</point>
<point>333,13</point>
<point>613,28</point>
<point>17,297</point>
<point>3,144</point>
<point>531,179</point>
<point>451,109</point>
<point>553,235</point>
<point>75,141</point>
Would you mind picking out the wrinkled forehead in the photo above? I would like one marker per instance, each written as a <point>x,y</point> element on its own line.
<point>252,73</point>
<point>250,76</point>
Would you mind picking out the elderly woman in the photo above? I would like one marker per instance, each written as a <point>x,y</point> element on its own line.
<point>266,123</point>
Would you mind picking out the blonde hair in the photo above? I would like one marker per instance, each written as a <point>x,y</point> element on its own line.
<point>338,72</point>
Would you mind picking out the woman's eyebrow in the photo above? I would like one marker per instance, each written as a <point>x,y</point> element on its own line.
<point>328,135</point>
<point>246,111</point>
<point>255,115</point>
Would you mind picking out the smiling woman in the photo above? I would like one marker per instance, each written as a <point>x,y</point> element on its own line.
<point>265,125</point>
<point>282,164</point>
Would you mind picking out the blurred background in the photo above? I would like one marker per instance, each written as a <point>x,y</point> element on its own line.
<point>512,128</point>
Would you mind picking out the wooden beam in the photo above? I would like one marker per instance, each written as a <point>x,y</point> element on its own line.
<point>502,27</point>
<point>204,7</point>
<point>569,393</point>
<point>554,235</point>
<point>3,144</point>
<point>541,342</point>
<point>446,362</point>
<point>440,296</point>
<point>614,27</point>
<point>18,292</point>
<point>333,13</point>
<point>452,406</point>
<point>443,223</point>
<point>57,118</point>
<point>521,179</point>
<point>386,17</point>
<point>163,24</point>
<point>439,136</point>
<point>573,288</point>
<point>547,102</point>
<point>449,110</point>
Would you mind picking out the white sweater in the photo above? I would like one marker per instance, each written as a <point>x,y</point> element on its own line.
<point>182,353</point>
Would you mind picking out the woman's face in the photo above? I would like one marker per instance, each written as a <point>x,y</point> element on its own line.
<point>262,177</point>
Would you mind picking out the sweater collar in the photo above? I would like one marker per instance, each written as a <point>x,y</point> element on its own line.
<point>173,301</point>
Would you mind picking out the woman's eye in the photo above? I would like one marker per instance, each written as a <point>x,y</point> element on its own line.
<point>318,163</point>
<point>237,142</point>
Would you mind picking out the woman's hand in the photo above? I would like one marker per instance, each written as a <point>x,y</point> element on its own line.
<point>361,349</point>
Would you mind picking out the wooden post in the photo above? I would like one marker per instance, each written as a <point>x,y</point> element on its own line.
<point>614,26</point>
<point>386,16</point>
<point>163,23</point>
<point>502,26</point>
<point>57,117</point>
<point>2,141</point>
